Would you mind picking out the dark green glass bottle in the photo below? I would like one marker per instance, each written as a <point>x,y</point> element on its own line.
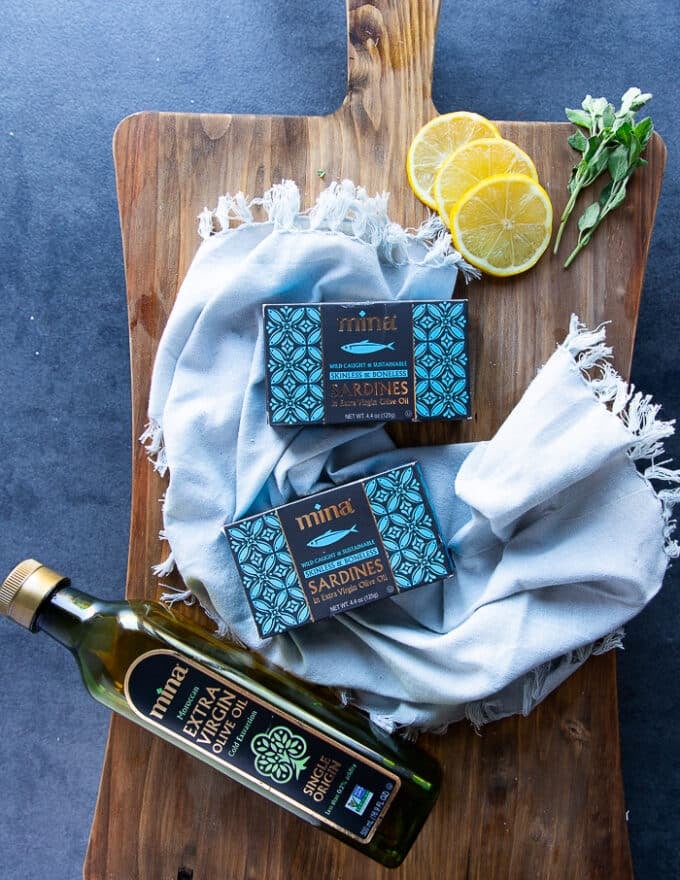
<point>253,722</point>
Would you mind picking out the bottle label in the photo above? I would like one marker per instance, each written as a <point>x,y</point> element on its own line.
<point>260,743</point>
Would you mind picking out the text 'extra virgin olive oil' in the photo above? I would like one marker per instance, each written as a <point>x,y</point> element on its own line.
<point>255,723</point>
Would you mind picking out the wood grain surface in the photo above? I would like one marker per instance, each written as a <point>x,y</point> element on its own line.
<point>537,797</point>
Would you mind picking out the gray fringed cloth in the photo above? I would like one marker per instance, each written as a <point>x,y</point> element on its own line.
<point>557,532</point>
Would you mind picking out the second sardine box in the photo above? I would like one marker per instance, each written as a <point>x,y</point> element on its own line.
<point>339,549</point>
<point>347,363</point>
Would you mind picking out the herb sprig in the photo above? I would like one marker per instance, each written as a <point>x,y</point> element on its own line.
<point>612,141</point>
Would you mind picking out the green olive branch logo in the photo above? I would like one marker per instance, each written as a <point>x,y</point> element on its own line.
<point>280,754</point>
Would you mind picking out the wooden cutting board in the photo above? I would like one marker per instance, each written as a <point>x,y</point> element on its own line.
<point>537,797</point>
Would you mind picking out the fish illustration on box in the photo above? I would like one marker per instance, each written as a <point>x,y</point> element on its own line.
<point>331,536</point>
<point>367,347</point>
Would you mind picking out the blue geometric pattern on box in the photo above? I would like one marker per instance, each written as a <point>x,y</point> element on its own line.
<point>294,364</point>
<point>408,531</point>
<point>268,574</point>
<point>440,360</point>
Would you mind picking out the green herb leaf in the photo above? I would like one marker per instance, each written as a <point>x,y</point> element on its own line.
<point>617,163</point>
<point>596,106</point>
<point>624,133</point>
<point>589,217</point>
<point>618,197</point>
<point>608,116</point>
<point>644,130</point>
<point>578,117</point>
<point>578,141</point>
<point>593,146</point>
<point>606,194</point>
<point>633,100</point>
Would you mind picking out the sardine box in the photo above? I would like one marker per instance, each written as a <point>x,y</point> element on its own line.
<point>337,550</point>
<point>340,363</point>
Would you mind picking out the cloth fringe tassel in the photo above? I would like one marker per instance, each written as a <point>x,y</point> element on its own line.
<point>166,567</point>
<point>172,595</point>
<point>152,440</point>
<point>481,712</point>
<point>341,208</point>
<point>637,412</point>
<point>535,686</point>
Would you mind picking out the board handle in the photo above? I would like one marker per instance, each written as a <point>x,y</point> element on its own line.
<point>390,55</point>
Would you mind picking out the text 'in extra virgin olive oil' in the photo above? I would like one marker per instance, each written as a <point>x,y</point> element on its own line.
<point>255,723</point>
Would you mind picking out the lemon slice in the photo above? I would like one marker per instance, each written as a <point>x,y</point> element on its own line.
<point>503,224</point>
<point>436,141</point>
<point>473,162</point>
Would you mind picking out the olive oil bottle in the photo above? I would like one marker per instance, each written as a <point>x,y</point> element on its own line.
<point>253,722</point>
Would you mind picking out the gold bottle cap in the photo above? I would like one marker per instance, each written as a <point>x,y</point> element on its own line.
<point>25,588</point>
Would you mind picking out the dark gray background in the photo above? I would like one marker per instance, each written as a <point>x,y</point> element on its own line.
<point>69,71</point>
